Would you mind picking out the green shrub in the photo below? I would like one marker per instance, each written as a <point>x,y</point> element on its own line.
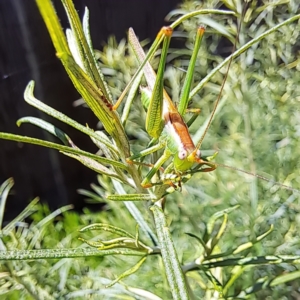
<point>224,234</point>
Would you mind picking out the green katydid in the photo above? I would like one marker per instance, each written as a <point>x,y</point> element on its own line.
<point>164,121</point>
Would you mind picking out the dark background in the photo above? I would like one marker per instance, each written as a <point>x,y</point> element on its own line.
<point>26,53</point>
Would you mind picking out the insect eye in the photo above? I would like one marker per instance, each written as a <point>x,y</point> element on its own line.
<point>182,154</point>
<point>198,153</point>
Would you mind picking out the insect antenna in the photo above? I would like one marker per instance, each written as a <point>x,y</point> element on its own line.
<point>287,187</point>
<point>223,84</point>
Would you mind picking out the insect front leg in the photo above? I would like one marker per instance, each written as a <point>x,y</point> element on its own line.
<point>146,183</point>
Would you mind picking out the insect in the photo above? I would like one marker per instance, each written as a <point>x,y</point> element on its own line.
<point>164,122</point>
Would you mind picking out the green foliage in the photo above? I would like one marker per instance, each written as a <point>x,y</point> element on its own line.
<point>60,278</point>
<point>230,235</point>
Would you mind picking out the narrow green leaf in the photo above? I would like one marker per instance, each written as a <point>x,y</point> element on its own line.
<point>199,239</point>
<point>222,228</point>
<point>211,223</point>
<point>108,228</point>
<point>285,278</point>
<point>97,244</point>
<point>132,197</point>
<point>121,242</point>
<point>84,49</point>
<point>236,272</point>
<point>29,140</point>
<point>30,209</point>
<point>74,48</point>
<point>131,95</point>
<point>86,30</point>
<point>93,165</point>
<point>128,272</point>
<point>55,30</point>
<point>251,244</point>
<point>48,127</point>
<point>107,151</point>
<point>215,239</point>
<point>266,283</point>
<point>259,238</point>
<point>200,12</point>
<point>256,260</point>
<point>40,227</point>
<point>215,282</point>
<point>173,269</point>
<point>53,215</point>
<point>6,184</point>
<point>30,99</point>
<point>4,191</point>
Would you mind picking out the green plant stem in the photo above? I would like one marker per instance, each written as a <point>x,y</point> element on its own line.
<point>243,261</point>
<point>173,269</point>
<point>64,253</point>
<point>200,12</point>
